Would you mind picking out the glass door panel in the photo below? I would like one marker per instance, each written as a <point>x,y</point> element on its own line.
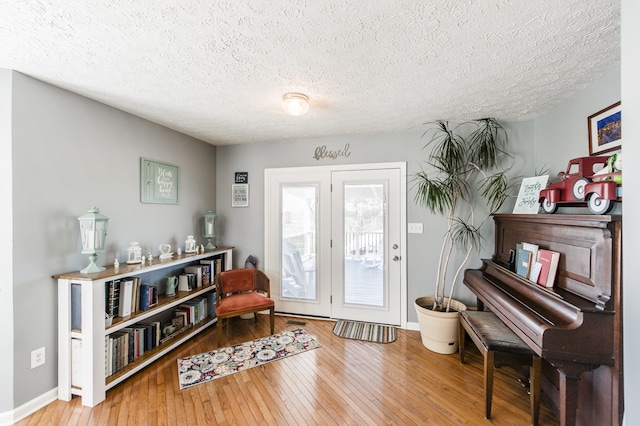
<point>363,261</point>
<point>299,230</point>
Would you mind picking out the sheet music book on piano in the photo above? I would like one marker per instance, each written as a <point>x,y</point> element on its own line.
<point>523,262</point>
<point>549,260</point>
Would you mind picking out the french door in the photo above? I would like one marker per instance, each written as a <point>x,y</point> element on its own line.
<point>365,255</point>
<point>334,241</point>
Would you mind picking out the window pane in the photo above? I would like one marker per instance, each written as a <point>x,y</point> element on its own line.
<point>364,242</point>
<point>299,229</point>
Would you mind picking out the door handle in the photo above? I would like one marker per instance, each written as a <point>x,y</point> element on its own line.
<point>396,258</point>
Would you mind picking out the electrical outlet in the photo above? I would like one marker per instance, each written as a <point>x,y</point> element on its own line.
<point>414,228</point>
<point>37,358</point>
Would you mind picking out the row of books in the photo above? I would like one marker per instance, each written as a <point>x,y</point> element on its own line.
<point>192,312</point>
<point>126,345</point>
<point>537,264</point>
<point>130,343</point>
<point>128,295</point>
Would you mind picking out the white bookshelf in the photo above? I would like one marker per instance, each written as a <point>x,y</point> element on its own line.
<point>87,359</point>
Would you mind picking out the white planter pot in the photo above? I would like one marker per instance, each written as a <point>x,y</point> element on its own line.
<point>439,330</point>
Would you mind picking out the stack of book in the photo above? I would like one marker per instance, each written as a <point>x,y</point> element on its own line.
<point>537,264</point>
<point>128,344</point>
<point>128,295</point>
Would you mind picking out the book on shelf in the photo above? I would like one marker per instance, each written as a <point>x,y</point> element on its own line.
<point>533,248</point>
<point>149,341</point>
<point>549,260</point>
<point>523,262</point>
<point>210,269</point>
<point>206,273</point>
<point>112,298</point>
<point>126,294</point>
<point>135,298</point>
<point>117,350</point>
<point>148,296</point>
<point>203,306</point>
<point>216,265</point>
<point>130,344</point>
<point>140,340</point>
<point>181,309</point>
<point>535,271</point>
<point>219,264</point>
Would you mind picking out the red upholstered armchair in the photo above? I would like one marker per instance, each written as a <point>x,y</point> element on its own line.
<point>242,291</point>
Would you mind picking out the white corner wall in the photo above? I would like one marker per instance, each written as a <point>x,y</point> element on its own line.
<point>631,207</point>
<point>6,243</point>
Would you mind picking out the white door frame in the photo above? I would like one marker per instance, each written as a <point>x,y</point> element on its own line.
<point>272,262</point>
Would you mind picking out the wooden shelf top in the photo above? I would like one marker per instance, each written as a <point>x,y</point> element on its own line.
<point>126,269</point>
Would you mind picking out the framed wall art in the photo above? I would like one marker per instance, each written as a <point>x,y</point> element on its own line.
<point>240,195</point>
<point>158,182</point>
<point>605,130</point>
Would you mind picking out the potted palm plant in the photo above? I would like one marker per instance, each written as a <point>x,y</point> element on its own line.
<point>462,174</point>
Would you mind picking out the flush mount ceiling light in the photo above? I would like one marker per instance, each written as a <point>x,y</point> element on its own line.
<point>295,103</point>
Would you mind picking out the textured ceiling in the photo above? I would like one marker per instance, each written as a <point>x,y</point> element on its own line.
<point>217,70</point>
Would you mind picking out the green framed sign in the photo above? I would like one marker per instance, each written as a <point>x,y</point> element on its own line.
<point>158,182</point>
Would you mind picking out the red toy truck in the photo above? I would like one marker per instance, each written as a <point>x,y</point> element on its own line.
<point>586,181</point>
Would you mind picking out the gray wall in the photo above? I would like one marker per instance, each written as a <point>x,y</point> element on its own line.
<point>69,154</point>
<point>562,133</point>
<point>244,227</point>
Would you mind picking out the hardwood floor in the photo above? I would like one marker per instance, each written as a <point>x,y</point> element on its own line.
<point>344,382</point>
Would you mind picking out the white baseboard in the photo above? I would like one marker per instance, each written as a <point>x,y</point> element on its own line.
<point>414,326</point>
<point>17,414</point>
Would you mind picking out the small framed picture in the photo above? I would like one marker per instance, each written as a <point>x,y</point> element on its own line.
<point>240,195</point>
<point>605,130</point>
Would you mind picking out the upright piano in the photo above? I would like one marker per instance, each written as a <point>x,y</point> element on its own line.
<point>576,326</point>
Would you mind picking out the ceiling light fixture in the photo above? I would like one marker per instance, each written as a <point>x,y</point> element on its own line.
<point>295,103</point>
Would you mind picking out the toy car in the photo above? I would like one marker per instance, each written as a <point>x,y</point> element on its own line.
<point>592,181</point>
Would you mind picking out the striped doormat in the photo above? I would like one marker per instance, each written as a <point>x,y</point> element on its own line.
<point>365,331</point>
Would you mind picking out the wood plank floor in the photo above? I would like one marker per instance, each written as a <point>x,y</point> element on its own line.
<point>344,382</point>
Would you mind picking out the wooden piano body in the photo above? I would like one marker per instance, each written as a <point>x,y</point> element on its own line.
<point>576,327</point>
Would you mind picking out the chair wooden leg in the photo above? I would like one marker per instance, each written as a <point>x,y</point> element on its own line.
<point>461,337</point>
<point>219,331</point>
<point>534,389</point>
<point>488,382</point>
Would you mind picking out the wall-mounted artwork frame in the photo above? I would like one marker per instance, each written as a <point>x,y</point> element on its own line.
<point>240,195</point>
<point>605,130</point>
<point>158,182</point>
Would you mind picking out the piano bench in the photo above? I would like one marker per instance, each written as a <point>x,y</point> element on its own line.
<point>496,342</point>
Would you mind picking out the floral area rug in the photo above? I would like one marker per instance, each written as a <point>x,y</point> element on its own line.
<point>222,362</point>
